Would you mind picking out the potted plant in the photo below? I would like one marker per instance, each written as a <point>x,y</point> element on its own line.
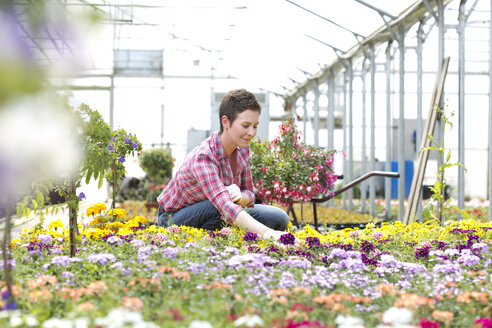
<point>157,163</point>
<point>286,170</point>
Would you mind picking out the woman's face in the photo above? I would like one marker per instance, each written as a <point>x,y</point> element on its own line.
<point>244,127</point>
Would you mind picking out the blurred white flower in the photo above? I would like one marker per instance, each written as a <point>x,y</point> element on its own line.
<point>38,138</point>
<point>200,324</point>
<point>349,322</point>
<point>248,320</point>
<point>397,316</point>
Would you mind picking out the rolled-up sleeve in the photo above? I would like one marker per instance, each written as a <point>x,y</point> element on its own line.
<point>206,173</point>
<point>247,184</point>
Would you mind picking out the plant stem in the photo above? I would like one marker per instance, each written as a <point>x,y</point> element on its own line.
<point>73,205</point>
<point>6,253</point>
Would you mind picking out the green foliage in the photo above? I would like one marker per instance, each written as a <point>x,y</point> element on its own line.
<point>444,162</point>
<point>121,145</point>
<point>157,164</point>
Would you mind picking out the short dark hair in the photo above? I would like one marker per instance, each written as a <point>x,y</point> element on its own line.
<point>235,102</point>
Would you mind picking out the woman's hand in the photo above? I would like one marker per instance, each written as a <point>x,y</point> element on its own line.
<point>235,193</point>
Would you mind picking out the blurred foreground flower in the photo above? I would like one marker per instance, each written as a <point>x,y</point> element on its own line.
<point>38,138</point>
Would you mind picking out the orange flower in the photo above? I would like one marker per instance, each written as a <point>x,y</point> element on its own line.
<point>443,316</point>
<point>96,288</point>
<point>41,295</point>
<point>132,303</point>
<point>413,302</point>
<point>86,306</point>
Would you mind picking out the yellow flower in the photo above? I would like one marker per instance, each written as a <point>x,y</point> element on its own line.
<point>14,242</point>
<point>55,224</point>
<point>90,211</point>
<point>140,219</point>
<point>118,212</point>
<point>114,225</point>
<point>99,207</point>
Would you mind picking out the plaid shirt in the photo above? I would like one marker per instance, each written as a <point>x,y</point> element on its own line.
<point>204,174</point>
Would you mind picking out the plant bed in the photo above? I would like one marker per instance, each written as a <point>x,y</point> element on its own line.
<point>127,272</point>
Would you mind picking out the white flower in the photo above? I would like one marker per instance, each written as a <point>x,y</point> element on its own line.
<point>248,321</point>
<point>57,323</point>
<point>349,322</point>
<point>396,316</point>
<point>200,324</point>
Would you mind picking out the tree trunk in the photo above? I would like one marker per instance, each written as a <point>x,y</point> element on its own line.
<point>73,207</point>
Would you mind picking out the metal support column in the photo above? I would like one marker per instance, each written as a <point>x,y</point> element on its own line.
<point>419,128</point>
<point>316,114</point>
<point>372,189</point>
<point>490,111</point>
<point>304,116</point>
<point>344,127</point>
<point>461,105</point>
<point>331,110</point>
<point>401,128</point>
<point>111,103</point>
<point>389,131</point>
<point>350,171</point>
<point>363,186</point>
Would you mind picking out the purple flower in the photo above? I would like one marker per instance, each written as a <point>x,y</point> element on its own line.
<point>287,239</point>
<point>45,239</point>
<point>422,252</point>
<point>250,236</point>
<point>99,144</point>
<point>110,147</point>
<point>115,240</point>
<point>67,275</point>
<point>5,294</point>
<point>127,140</point>
<point>135,145</point>
<point>313,241</point>
<point>102,258</point>
<point>10,306</point>
<point>337,252</point>
<point>469,260</point>
<point>82,195</point>
<point>367,247</point>
<point>121,159</point>
<point>137,243</point>
<point>62,260</point>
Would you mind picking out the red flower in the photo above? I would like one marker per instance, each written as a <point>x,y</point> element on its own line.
<point>424,323</point>
<point>485,322</point>
<point>151,187</point>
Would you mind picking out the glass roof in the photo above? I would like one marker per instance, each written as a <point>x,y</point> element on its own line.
<point>267,45</point>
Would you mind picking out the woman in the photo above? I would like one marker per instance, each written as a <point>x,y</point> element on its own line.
<point>214,184</point>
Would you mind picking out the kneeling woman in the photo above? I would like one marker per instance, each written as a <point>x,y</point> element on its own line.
<point>214,184</point>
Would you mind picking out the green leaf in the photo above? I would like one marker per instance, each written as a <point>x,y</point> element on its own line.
<point>99,185</point>
<point>35,203</point>
<point>88,176</point>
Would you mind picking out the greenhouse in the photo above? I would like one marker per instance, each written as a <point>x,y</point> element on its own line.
<point>160,160</point>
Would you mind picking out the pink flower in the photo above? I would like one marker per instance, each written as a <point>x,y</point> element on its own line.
<point>485,322</point>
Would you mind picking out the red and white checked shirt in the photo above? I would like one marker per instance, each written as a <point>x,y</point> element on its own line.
<point>204,174</point>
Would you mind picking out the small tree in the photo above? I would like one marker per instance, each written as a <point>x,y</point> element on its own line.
<point>104,153</point>
<point>444,162</point>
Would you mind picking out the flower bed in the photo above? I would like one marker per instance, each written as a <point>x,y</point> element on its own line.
<point>127,272</point>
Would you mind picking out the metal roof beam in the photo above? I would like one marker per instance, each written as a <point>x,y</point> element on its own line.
<point>326,19</point>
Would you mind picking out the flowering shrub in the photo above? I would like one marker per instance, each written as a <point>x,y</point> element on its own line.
<point>286,170</point>
<point>182,277</point>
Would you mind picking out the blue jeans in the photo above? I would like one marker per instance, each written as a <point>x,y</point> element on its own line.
<point>205,216</point>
